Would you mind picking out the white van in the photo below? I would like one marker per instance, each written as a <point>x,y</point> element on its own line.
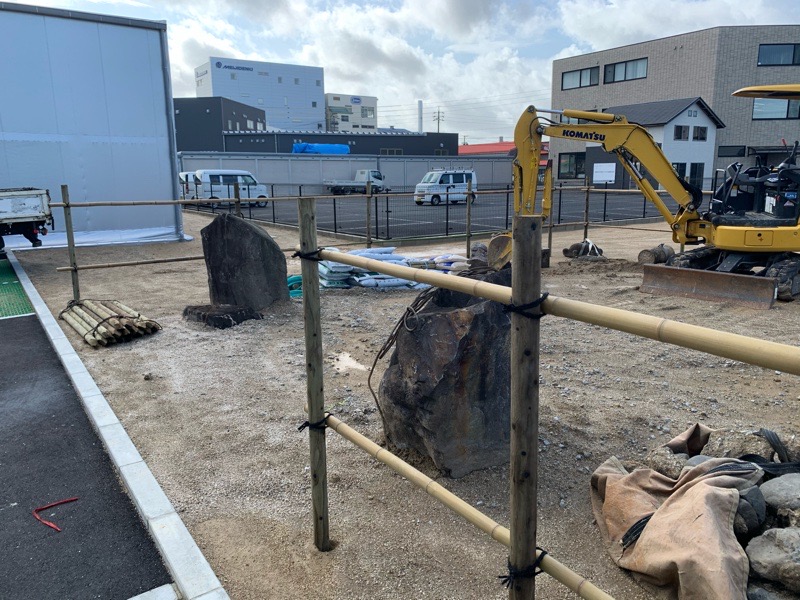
<point>445,184</point>
<point>219,183</point>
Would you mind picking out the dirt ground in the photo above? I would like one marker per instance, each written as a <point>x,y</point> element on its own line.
<point>216,420</point>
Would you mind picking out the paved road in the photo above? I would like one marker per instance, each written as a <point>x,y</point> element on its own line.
<point>398,216</point>
<point>49,452</point>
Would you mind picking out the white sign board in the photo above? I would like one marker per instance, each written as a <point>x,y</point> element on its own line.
<point>604,172</point>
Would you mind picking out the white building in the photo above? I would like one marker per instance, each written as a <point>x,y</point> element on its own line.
<point>685,129</point>
<point>344,112</point>
<point>87,103</point>
<point>292,96</point>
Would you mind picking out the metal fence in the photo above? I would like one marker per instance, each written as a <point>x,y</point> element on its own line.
<point>397,215</point>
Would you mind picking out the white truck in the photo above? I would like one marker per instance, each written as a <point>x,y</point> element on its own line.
<point>24,211</point>
<point>357,185</point>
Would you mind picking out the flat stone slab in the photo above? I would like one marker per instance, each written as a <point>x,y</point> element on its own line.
<point>222,316</point>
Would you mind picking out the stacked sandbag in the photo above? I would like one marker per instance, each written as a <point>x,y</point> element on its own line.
<point>337,275</point>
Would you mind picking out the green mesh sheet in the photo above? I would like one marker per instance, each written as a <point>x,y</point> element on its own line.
<point>13,301</point>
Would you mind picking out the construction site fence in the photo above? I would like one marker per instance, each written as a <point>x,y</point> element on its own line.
<point>397,215</point>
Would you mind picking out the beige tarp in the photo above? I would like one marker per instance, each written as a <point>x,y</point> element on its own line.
<point>688,549</point>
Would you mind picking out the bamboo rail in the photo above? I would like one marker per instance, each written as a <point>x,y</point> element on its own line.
<point>575,582</point>
<point>754,351</point>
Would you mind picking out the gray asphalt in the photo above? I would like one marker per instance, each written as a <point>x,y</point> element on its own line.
<point>49,452</point>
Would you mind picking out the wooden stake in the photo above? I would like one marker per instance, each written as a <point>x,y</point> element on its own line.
<point>526,286</point>
<point>314,379</point>
<point>73,262</point>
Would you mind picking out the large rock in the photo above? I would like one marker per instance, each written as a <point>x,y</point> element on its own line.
<point>783,492</point>
<point>245,266</point>
<point>775,555</point>
<point>446,391</point>
<point>724,443</point>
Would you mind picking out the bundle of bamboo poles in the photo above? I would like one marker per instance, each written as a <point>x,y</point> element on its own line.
<point>103,322</point>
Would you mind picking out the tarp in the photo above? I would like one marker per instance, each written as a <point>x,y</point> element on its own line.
<point>687,549</point>
<point>305,148</point>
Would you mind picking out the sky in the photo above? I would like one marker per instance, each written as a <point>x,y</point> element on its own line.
<point>475,63</point>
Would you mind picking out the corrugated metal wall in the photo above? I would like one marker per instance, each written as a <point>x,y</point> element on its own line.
<point>86,103</point>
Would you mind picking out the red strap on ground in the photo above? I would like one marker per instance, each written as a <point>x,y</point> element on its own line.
<point>46,522</point>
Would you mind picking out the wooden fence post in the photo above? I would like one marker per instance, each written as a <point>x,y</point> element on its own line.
<point>523,473</point>
<point>73,262</point>
<point>314,378</point>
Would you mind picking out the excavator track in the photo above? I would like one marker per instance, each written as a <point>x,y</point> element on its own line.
<point>787,273</point>
<point>697,258</point>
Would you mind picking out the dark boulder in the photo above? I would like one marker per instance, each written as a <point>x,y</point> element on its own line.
<point>246,267</point>
<point>446,392</point>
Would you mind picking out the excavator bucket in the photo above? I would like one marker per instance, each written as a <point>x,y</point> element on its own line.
<point>499,252</point>
<point>745,290</point>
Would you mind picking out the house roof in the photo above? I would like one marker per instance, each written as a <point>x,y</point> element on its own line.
<point>506,148</point>
<point>662,112</point>
<point>492,148</point>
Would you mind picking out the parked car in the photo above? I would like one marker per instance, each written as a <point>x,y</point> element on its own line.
<point>219,183</point>
<point>446,184</point>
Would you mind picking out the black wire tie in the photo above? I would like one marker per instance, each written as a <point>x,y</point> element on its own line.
<point>318,426</point>
<point>522,308</point>
<point>526,573</point>
<point>313,255</point>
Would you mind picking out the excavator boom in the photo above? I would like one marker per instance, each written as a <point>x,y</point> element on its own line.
<point>739,244</point>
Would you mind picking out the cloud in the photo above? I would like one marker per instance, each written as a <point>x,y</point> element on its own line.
<point>603,24</point>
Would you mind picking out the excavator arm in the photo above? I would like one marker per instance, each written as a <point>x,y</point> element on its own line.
<point>633,147</point>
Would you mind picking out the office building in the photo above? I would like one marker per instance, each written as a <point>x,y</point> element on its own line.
<point>344,112</point>
<point>710,65</point>
<point>291,96</point>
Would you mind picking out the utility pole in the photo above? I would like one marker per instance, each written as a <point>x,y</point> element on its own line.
<point>438,117</point>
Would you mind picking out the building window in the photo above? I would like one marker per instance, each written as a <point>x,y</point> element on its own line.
<point>356,126</point>
<point>731,151</point>
<point>773,55</point>
<point>368,127</point>
<point>297,81</point>
<point>625,71</point>
<point>367,112</point>
<point>681,132</point>
<point>280,79</point>
<point>580,78</point>
<point>680,169</point>
<point>571,165</point>
<point>699,134</point>
<point>441,152</point>
<point>319,83</point>
<point>337,98</point>
<point>769,108</point>
<point>696,174</point>
<point>313,105</point>
<point>250,125</point>
<point>260,127</point>
<point>391,151</point>
<point>345,118</point>
<point>230,125</point>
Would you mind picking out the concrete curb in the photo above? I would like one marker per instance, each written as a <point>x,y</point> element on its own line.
<point>193,576</point>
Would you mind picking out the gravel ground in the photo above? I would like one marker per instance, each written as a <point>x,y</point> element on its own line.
<point>216,420</point>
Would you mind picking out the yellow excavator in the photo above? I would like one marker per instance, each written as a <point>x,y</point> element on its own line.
<point>748,235</point>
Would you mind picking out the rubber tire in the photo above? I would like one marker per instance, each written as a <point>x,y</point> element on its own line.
<point>418,202</point>
<point>435,200</point>
<point>213,204</point>
<point>453,201</point>
<point>471,198</point>
<point>261,203</point>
